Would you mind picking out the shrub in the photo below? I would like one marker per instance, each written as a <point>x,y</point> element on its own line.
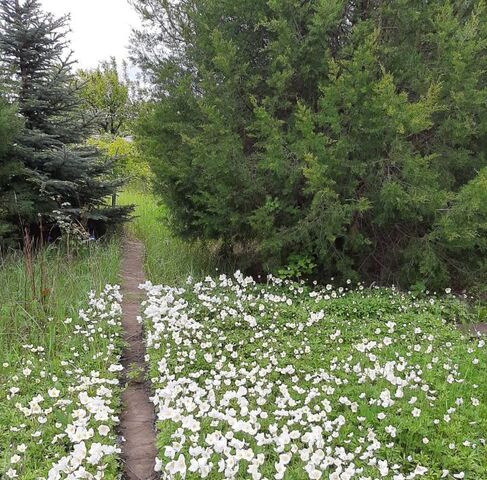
<point>349,133</point>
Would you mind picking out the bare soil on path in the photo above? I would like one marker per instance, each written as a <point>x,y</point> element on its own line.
<point>479,328</point>
<point>138,417</point>
<point>474,329</point>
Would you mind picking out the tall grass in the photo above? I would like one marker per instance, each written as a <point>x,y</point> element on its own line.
<point>36,297</point>
<point>168,259</point>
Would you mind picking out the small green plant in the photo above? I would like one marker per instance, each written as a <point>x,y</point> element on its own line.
<point>298,266</point>
<point>135,373</point>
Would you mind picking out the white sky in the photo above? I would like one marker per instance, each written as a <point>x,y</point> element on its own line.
<point>100,28</point>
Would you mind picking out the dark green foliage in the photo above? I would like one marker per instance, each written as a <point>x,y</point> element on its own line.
<point>13,186</point>
<point>343,134</point>
<point>58,178</point>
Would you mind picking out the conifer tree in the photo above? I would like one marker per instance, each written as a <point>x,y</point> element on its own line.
<point>36,72</point>
<point>349,135</point>
<point>14,187</point>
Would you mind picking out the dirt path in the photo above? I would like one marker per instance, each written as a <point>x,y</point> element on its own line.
<point>137,420</point>
<point>479,328</point>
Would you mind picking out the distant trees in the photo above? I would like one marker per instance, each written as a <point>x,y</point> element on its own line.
<point>113,99</point>
<point>349,136</point>
<point>107,97</point>
<point>61,179</point>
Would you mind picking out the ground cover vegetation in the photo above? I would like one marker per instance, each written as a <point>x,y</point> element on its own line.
<point>284,381</point>
<point>339,137</point>
<point>59,351</point>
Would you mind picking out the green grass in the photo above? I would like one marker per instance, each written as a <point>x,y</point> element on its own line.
<point>51,355</point>
<point>31,306</point>
<point>168,259</point>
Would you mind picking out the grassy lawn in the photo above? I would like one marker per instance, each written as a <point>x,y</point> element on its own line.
<point>258,381</point>
<point>59,353</point>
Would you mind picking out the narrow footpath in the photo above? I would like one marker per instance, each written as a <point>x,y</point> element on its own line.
<point>137,419</point>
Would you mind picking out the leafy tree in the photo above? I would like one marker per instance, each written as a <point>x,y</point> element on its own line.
<point>128,161</point>
<point>114,99</point>
<point>107,96</point>
<point>342,134</point>
<point>65,178</point>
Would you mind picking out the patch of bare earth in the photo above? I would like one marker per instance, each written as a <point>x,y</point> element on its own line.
<point>138,417</point>
<point>474,329</point>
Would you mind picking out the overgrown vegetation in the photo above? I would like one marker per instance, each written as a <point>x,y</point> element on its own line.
<point>168,258</point>
<point>53,359</point>
<point>345,135</point>
<point>40,290</point>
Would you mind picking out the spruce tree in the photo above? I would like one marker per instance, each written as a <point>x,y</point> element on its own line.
<point>14,186</point>
<point>67,180</point>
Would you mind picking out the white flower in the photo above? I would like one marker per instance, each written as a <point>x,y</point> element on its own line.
<point>420,470</point>
<point>53,392</point>
<point>178,466</point>
<point>103,430</point>
<point>115,368</point>
<point>158,465</point>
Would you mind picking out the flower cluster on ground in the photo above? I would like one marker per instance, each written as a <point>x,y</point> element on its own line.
<point>279,381</point>
<point>62,401</point>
